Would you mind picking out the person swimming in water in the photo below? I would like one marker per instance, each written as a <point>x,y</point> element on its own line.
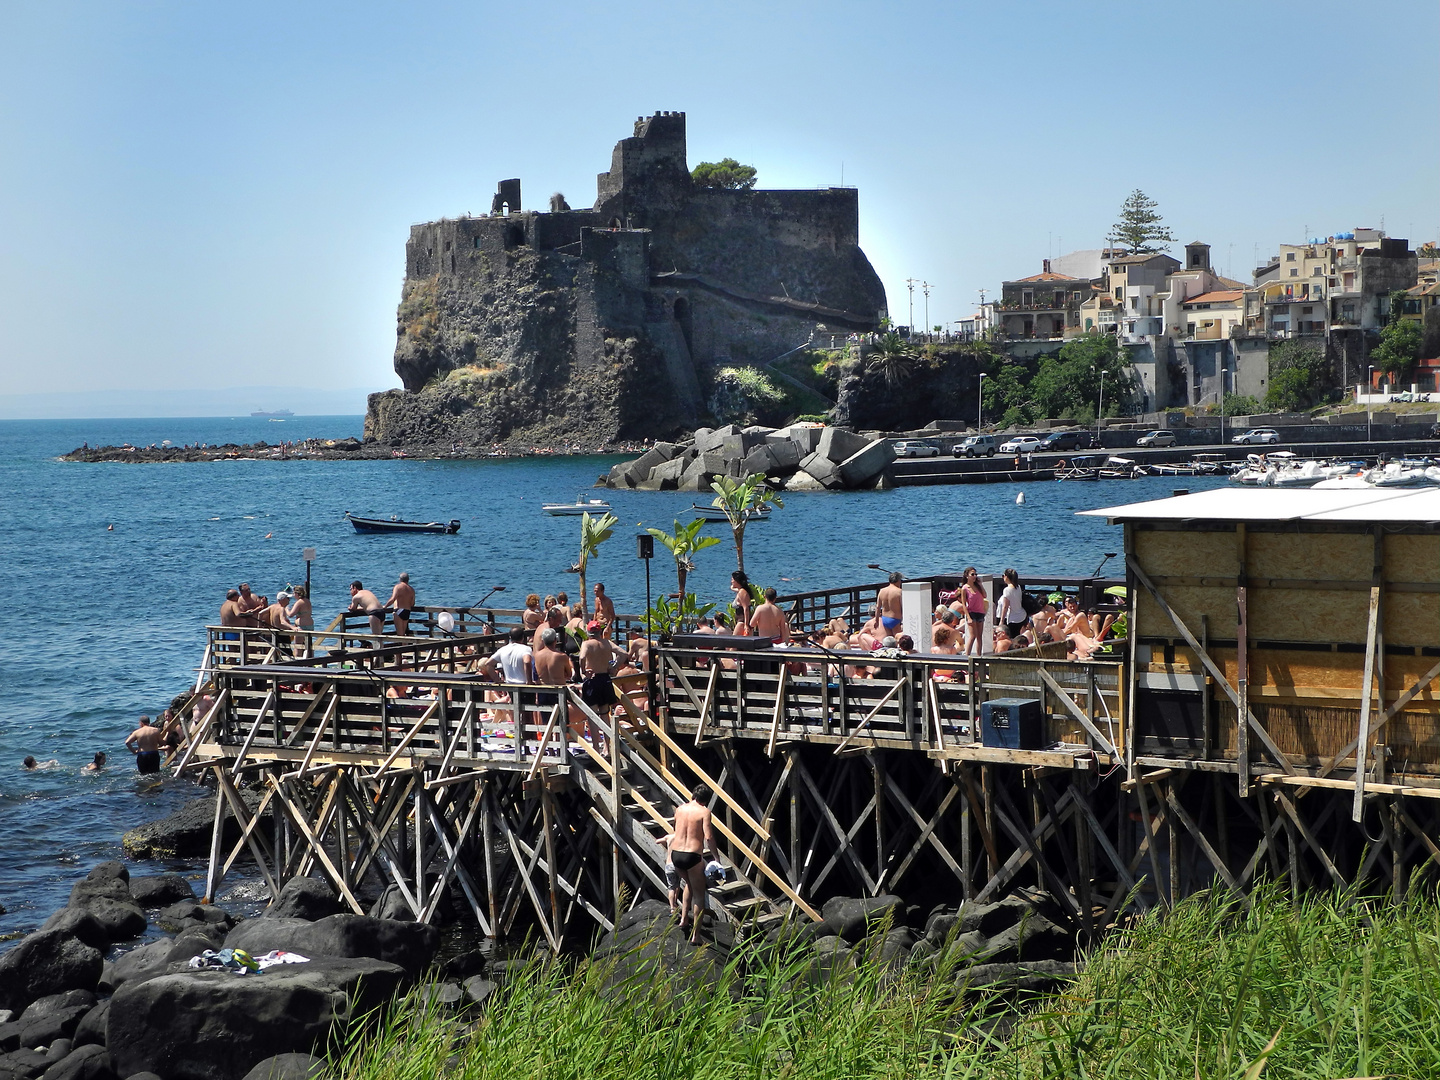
<point>98,765</point>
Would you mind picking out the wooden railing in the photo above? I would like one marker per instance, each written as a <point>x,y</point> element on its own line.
<point>424,622</point>
<point>852,700</point>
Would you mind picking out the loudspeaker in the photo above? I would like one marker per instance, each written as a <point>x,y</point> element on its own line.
<point>1012,724</point>
<point>644,546</point>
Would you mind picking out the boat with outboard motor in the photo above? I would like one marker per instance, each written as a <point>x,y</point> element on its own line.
<point>715,513</point>
<point>394,524</point>
<point>581,505</point>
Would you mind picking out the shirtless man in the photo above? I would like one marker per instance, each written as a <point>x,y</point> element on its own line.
<point>604,606</point>
<point>230,609</point>
<point>638,649</point>
<point>552,666</point>
<point>363,602</point>
<point>249,605</point>
<point>598,657</point>
<point>144,743</point>
<point>554,620</point>
<point>769,621</point>
<point>891,605</point>
<point>275,616</point>
<point>692,839</point>
<point>402,599</point>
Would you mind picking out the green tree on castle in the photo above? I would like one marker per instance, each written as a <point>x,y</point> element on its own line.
<point>1140,230</point>
<point>725,173</point>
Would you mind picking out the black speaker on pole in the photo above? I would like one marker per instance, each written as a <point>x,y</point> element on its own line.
<point>644,546</point>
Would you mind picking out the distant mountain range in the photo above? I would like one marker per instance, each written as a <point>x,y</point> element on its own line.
<point>231,401</point>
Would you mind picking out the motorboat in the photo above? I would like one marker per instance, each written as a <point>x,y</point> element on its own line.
<point>395,524</point>
<point>1284,469</point>
<point>1207,464</point>
<point>581,505</point>
<point>1121,468</point>
<point>1405,472</point>
<point>715,513</point>
<point>1082,467</point>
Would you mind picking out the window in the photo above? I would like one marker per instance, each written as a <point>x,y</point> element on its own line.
<point>1316,272</point>
<point>1307,310</point>
<point>1027,299</point>
<point>1134,303</point>
<point>1294,272</point>
<point>1075,297</point>
<point>1060,298</point>
<point>1190,329</point>
<point>1289,256</point>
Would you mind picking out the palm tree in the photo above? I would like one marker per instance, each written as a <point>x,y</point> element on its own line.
<point>682,544</point>
<point>738,498</point>
<point>594,531</point>
<point>892,357</point>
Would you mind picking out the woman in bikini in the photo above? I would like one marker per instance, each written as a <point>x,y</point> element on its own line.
<point>740,586</point>
<point>976,604</point>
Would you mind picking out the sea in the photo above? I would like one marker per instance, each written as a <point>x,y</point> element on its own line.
<point>114,570</point>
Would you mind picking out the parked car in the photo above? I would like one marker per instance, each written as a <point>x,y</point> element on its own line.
<point>915,448</point>
<point>1069,440</point>
<point>1020,444</point>
<point>975,446</point>
<point>1256,435</point>
<point>1156,438</point>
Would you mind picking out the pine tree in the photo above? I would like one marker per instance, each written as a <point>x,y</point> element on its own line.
<point>1140,229</point>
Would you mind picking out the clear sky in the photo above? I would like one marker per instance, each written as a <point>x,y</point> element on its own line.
<point>206,195</point>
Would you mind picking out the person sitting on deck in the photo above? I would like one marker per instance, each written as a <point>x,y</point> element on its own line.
<point>364,602</point>
<point>943,643</point>
<point>1002,642</point>
<point>402,600</point>
<point>144,743</point>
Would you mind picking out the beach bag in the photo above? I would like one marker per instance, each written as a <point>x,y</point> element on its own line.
<point>1030,602</point>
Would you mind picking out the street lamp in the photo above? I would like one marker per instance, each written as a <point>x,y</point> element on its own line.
<point>1369,405</point>
<point>980,403</point>
<point>1100,412</point>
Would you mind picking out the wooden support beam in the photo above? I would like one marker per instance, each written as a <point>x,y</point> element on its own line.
<point>779,708</point>
<point>1367,686</point>
<point>197,735</point>
<point>1320,853</point>
<point>927,829</point>
<point>1422,684</point>
<point>1183,816</point>
<point>1074,710</point>
<point>982,820</point>
<point>1211,666</point>
<point>890,694</point>
<point>1149,828</point>
<point>298,818</point>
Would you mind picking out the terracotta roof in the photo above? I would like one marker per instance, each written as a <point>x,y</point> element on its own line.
<point>1231,283</point>
<point>1046,276</point>
<point>1228,296</point>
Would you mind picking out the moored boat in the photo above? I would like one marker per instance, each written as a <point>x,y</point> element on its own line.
<point>394,524</point>
<point>714,513</point>
<point>580,506</point>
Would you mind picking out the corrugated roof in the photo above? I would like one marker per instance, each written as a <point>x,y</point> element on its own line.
<point>1144,258</point>
<point>1231,283</point>
<point>1284,504</point>
<point>1046,276</point>
<point>1224,297</point>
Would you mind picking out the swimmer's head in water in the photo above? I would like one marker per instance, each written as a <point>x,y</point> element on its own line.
<point>31,763</point>
<point>99,761</point>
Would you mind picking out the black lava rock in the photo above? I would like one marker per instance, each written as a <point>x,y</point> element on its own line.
<point>409,944</point>
<point>87,1063</point>
<point>47,962</point>
<point>158,890</point>
<point>219,1026</point>
<point>288,1067</point>
<point>851,918</point>
<point>305,898</point>
<point>91,1029</point>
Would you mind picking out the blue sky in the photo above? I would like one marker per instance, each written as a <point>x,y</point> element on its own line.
<point>204,195</point>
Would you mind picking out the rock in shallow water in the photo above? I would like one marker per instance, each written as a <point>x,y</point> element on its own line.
<point>159,890</point>
<point>47,962</point>
<point>305,898</point>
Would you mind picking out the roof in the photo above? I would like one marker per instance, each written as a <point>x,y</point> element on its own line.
<point>1417,505</point>
<point>1046,276</point>
<point>1231,283</point>
<point>1143,258</point>
<point>1226,296</point>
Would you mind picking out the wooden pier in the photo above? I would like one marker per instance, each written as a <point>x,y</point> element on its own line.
<point>392,763</point>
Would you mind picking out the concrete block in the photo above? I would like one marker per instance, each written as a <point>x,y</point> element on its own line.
<point>785,455</point>
<point>862,467</point>
<point>713,463</point>
<point>1174,420</point>
<point>821,469</point>
<point>621,476</point>
<point>838,445</point>
<point>641,466</point>
<point>1382,418</point>
<point>667,449</point>
<point>694,478</point>
<point>670,470</point>
<point>707,440</point>
<point>806,439</point>
<point>702,436</point>
<point>758,432</point>
<point>759,460</point>
<point>1346,419</point>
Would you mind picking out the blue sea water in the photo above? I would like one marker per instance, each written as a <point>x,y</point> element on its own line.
<point>104,624</point>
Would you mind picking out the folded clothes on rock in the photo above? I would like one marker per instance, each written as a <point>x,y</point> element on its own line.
<point>280,956</point>
<point>237,960</point>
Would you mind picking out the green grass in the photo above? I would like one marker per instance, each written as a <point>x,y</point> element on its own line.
<point>1331,991</point>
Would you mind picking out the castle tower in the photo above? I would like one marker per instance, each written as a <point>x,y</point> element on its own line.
<point>649,169</point>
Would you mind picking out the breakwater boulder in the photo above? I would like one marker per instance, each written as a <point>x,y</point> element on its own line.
<point>797,458</point>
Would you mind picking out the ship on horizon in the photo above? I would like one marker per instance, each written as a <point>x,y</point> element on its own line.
<point>276,414</point>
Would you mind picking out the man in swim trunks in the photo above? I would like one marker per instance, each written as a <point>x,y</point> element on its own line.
<point>249,606</point>
<point>598,657</point>
<point>402,599</point>
<point>230,610</point>
<point>364,602</point>
<point>604,606</point>
<point>692,838</point>
<point>769,621</point>
<point>144,743</point>
<point>890,601</point>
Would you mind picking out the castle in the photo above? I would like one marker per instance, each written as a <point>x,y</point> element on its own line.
<point>608,324</point>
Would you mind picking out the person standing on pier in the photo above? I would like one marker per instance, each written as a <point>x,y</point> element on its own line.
<point>364,602</point>
<point>604,606</point>
<point>692,839</point>
<point>891,602</point>
<point>249,606</point>
<point>402,599</point>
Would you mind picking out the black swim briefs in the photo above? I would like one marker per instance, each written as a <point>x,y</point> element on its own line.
<point>148,761</point>
<point>684,860</point>
<point>596,689</point>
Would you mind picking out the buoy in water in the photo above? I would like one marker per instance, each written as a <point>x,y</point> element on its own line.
<point>109,528</point>
<point>1020,499</point>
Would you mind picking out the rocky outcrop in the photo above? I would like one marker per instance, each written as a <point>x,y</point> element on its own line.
<point>584,327</point>
<point>800,458</point>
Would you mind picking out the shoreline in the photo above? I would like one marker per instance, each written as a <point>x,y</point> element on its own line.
<point>322,450</point>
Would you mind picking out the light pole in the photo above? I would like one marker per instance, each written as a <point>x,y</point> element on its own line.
<point>1222,401</point>
<point>1100,412</point>
<point>925,287</point>
<point>1369,405</point>
<point>910,284</point>
<point>980,403</point>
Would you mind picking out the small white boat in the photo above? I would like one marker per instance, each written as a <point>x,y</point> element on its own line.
<point>714,513</point>
<point>1402,473</point>
<point>581,505</point>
